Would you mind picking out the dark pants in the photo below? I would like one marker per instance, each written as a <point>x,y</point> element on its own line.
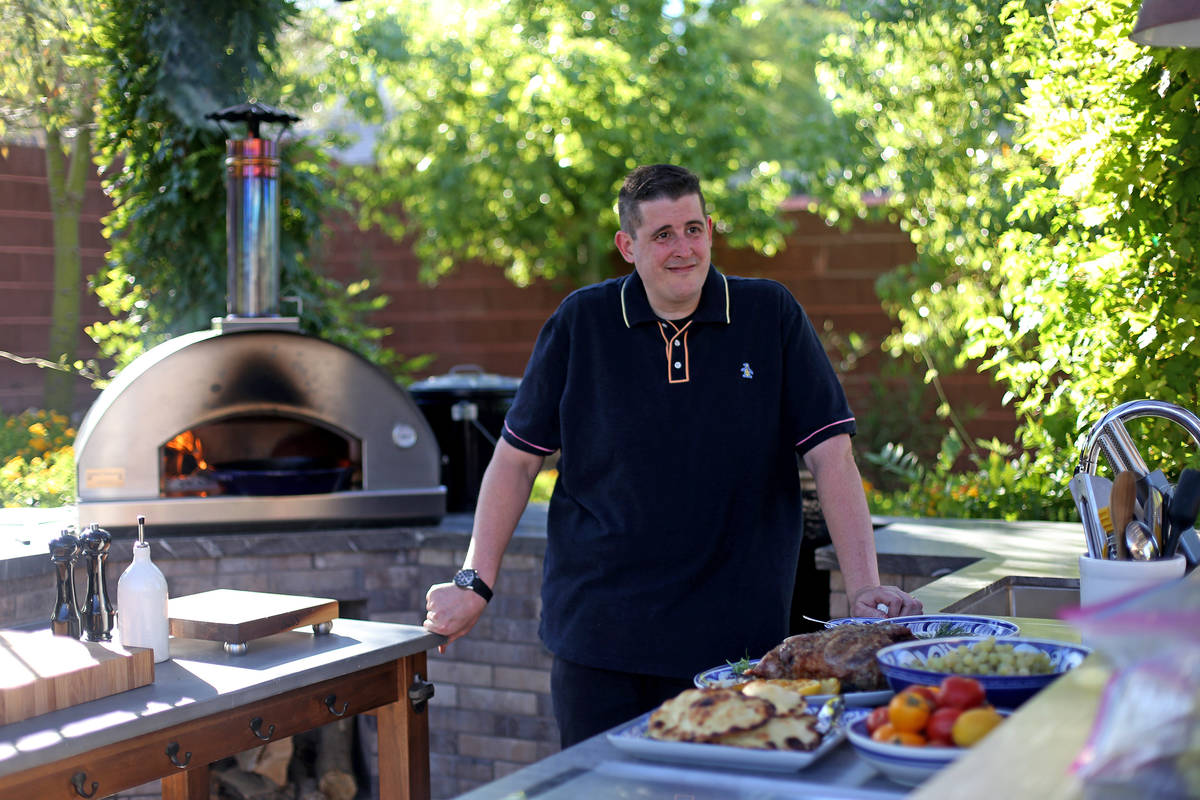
<point>588,701</point>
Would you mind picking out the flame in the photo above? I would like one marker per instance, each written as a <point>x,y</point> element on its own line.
<point>186,444</point>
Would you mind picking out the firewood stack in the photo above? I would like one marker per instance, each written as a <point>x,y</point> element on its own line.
<point>317,765</point>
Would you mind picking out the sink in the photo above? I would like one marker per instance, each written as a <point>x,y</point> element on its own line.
<point>1017,596</point>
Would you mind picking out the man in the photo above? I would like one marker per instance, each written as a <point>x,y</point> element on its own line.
<point>678,400</point>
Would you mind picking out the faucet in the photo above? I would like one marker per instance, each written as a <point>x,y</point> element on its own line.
<point>1109,436</point>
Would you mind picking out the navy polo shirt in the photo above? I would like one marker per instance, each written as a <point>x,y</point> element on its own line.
<point>674,528</point>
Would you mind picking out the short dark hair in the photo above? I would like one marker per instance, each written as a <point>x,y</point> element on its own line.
<point>653,182</point>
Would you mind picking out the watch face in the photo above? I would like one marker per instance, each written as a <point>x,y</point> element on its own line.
<point>464,578</point>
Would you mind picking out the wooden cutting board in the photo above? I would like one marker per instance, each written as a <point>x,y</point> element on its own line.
<point>41,672</point>
<point>233,615</point>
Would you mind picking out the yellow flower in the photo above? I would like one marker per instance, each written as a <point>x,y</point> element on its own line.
<point>37,429</point>
<point>39,444</point>
<point>11,471</point>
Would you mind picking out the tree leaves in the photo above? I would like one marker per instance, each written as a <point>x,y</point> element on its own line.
<point>1062,193</point>
<point>511,125</point>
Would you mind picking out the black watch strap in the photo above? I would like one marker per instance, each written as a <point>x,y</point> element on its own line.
<point>469,579</point>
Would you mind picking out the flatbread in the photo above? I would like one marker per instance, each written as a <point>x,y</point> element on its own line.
<point>789,695</point>
<point>788,732</point>
<point>703,715</point>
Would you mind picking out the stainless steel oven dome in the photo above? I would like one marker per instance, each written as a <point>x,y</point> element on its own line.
<point>254,385</point>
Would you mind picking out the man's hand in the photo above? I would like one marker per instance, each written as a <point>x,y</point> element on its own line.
<point>883,601</point>
<point>451,611</point>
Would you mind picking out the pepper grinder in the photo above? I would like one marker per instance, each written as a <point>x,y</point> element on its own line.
<point>64,619</point>
<point>98,615</point>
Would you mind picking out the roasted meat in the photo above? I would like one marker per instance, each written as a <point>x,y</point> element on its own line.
<point>846,652</point>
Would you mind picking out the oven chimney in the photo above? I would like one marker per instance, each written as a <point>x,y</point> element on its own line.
<point>252,211</point>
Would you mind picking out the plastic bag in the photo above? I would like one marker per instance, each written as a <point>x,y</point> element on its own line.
<point>1145,741</point>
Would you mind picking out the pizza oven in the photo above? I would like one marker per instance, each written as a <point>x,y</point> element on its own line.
<point>252,424</point>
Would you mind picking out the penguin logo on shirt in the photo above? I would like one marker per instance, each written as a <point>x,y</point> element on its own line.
<point>747,373</point>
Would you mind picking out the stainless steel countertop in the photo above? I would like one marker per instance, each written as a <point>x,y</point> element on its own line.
<point>595,768</point>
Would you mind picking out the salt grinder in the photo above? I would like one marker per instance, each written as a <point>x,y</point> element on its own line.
<point>98,615</point>
<point>64,620</point>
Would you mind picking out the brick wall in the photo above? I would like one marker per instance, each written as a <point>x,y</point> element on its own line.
<point>473,316</point>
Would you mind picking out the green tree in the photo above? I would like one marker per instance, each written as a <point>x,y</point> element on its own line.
<point>1045,167</point>
<point>1102,307</point>
<point>166,66</point>
<point>47,90</point>
<point>506,128</point>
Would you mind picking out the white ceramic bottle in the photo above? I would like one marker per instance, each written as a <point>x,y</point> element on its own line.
<point>142,603</point>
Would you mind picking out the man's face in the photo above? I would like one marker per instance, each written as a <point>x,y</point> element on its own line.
<point>671,249</point>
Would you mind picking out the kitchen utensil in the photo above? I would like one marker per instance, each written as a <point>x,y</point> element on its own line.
<point>1188,546</point>
<point>64,619</point>
<point>1140,541</point>
<point>1106,526</point>
<point>1091,493</point>
<point>1121,502</point>
<point>97,611</point>
<point>1154,516</point>
<point>1182,509</point>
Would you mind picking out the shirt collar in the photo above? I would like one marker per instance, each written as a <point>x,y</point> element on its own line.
<point>713,307</point>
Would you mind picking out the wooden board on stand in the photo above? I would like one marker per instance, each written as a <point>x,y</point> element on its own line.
<point>235,617</point>
<point>41,672</point>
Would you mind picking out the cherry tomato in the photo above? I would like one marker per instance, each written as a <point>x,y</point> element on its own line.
<point>930,692</point>
<point>884,732</point>
<point>906,738</point>
<point>909,711</point>
<point>958,691</point>
<point>940,727</point>
<point>974,724</point>
<point>877,718</point>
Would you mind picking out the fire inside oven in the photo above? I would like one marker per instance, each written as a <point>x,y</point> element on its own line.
<point>259,455</point>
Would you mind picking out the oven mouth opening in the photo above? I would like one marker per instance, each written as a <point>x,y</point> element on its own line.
<point>259,455</point>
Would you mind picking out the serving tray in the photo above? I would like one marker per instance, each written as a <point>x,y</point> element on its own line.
<point>632,738</point>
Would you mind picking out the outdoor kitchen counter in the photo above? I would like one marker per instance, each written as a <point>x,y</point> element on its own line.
<point>1043,737</point>
<point>206,700</point>
<point>966,555</point>
<point>596,768</point>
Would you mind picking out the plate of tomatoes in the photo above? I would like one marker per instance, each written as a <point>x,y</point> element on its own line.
<point>923,728</point>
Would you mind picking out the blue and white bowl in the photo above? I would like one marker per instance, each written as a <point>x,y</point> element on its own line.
<point>909,766</point>
<point>903,665</point>
<point>926,626</point>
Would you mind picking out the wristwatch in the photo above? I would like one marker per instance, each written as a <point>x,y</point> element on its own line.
<point>469,579</point>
